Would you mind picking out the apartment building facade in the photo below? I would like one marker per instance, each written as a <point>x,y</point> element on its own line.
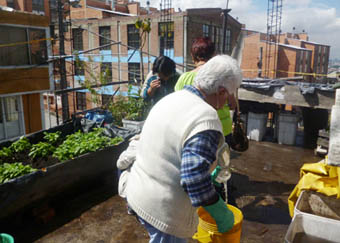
<point>122,58</point>
<point>24,72</point>
<point>294,56</point>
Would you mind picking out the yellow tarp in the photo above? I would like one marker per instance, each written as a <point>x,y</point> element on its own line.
<point>319,177</point>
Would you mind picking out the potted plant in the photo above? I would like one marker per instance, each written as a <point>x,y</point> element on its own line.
<point>130,111</point>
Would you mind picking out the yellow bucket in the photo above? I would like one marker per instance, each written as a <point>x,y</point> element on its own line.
<point>207,231</point>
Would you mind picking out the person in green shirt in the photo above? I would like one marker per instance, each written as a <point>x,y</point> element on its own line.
<point>202,50</point>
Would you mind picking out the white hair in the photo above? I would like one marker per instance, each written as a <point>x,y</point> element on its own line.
<point>219,71</point>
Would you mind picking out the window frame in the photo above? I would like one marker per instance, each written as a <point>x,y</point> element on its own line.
<point>105,98</point>
<point>79,69</point>
<point>38,6</point>
<point>134,72</point>
<point>81,101</point>
<point>24,50</point>
<point>4,129</point>
<point>103,67</point>
<point>133,37</point>
<point>78,42</point>
<point>169,42</point>
<point>105,31</point>
<point>228,40</point>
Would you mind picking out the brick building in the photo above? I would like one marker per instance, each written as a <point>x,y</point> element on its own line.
<point>294,56</point>
<point>121,58</point>
<point>24,72</point>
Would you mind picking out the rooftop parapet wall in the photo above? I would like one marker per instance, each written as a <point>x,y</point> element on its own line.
<point>23,18</point>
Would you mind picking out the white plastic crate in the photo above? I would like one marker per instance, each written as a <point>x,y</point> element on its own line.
<point>135,125</point>
<point>308,228</point>
<point>287,126</point>
<point>317,204</point>
<point>256,125</point>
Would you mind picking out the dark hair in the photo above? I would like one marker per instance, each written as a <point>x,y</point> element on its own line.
<point>164,65</point>
<point>202,49</point>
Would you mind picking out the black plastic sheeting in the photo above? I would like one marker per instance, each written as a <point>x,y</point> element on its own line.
<point>305,88</point>
<point>22,192</point>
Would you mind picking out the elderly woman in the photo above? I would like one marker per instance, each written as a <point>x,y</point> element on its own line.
<point>171,175</point>
<point>202,49</point>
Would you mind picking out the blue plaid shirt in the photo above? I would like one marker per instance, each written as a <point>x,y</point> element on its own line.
<point>199,152</point>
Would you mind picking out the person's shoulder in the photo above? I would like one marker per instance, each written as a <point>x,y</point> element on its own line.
<point>186,78</point>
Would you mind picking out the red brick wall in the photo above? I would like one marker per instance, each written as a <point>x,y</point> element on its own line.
<point>287,62</point>
<point>250,55</point>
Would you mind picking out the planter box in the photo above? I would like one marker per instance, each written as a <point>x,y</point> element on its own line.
<point>23,191</point>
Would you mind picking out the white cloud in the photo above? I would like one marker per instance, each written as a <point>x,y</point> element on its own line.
<point>322,25</point>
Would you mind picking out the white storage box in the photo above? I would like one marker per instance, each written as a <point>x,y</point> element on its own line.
<point>287,127</point>
<point>256,125</point>
<point>317,204</point>
<point>307,228</point>
<point>134,125</point>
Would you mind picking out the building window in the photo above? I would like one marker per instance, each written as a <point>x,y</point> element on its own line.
<point>106,72</point>
<point>133,36</point>
<point>38,49</point>
<point>134,72</point>
<point>28,53</point>
<point>206,30</point>
<point>166,36</point>
<point>11,117</point>
<point>106,99</point>
<point>53,11</point>
<point>13,55</point>
<point>77,39</point>
<point>105,37</point>
<point>10,3</point>
<point>228,41</point>
<point>79,69</point>
<point>307,56</point>
<point>38,6</point>
<point>217,39</point>
<point>81,100</point>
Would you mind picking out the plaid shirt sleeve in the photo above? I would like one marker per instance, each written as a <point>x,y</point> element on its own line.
<point>198,154</point>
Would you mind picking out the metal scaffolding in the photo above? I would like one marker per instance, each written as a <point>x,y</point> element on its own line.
<point>274,16</point>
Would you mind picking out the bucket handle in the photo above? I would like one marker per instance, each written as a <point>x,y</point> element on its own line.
<point>196,237</point>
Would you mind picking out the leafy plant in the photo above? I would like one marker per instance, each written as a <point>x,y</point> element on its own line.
<point>53,137</point>
<point>14,170</point>
<point>5,153</point>
<point>80,143</point>
<point>20,145</point>
<point>133,107</point>
<point>41,149</point>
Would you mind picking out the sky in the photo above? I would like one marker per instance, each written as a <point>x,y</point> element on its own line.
<point>319,18</point>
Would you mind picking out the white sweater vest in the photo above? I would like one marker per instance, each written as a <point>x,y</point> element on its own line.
<point>153,186</point>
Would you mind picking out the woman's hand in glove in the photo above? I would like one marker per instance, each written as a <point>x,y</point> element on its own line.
<point>223,216</point>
